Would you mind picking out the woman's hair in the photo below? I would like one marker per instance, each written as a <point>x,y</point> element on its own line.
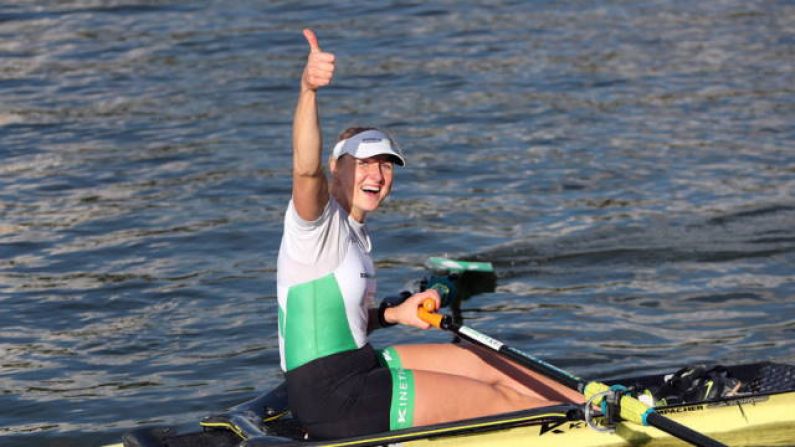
<point>351,131</point>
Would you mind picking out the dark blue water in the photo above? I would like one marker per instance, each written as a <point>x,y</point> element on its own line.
<point>629,167</point>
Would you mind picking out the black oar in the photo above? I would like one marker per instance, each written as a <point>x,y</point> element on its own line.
<point>630,409</point>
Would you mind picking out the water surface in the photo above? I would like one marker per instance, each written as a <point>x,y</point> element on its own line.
<point>628,167</point>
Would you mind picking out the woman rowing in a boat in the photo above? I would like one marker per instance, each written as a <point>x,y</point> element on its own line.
<point>338,385</point>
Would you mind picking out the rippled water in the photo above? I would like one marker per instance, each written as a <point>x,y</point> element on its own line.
<point>629,167</point>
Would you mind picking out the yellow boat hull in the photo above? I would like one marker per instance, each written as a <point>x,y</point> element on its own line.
<point>752,421</point>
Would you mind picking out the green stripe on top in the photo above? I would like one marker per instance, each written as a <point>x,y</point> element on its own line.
<point>401,411</point>
<point>315,324</point>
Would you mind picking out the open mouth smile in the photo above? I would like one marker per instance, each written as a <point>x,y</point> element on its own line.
<point>371,190</point>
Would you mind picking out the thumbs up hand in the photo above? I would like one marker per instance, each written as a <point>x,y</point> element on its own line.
<point>319,65</point>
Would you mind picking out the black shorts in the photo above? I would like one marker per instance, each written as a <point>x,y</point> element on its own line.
<point>343,394</point>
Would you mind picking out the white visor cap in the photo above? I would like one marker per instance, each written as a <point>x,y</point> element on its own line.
<point>368,144</point>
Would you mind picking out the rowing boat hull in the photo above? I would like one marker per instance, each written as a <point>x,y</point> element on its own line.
<point>753,421</point>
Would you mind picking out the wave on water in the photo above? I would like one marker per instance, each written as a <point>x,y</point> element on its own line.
<point>712,289</point>
<point>627,167</point>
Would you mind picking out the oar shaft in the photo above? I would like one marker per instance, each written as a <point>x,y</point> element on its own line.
<point>522,358</point>
<point>680,431</point>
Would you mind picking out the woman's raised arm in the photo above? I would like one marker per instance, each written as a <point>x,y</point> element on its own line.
<point>310,186</point>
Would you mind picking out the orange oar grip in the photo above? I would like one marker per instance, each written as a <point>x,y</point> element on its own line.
<point>427,314</point>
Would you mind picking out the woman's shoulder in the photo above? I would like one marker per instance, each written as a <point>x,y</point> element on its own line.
<point>330,212</point>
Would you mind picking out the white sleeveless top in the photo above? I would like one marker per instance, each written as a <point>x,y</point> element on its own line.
<point>325,285</point>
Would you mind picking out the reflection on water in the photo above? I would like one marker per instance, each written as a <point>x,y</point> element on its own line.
<point>627,167</point>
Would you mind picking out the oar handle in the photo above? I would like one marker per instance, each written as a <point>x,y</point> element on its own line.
<point>427,313</point>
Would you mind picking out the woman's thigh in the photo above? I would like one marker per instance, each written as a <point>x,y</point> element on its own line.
<point>482,365</point>
<point>441,397</point>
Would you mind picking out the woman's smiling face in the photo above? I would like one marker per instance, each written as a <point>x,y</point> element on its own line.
<point>361,184</point>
